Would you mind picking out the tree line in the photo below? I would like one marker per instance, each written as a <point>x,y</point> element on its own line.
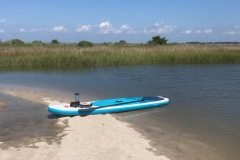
<point>156,40</point>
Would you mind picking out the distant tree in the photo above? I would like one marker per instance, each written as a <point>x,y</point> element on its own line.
<point>55,41</point>
<point>85,44</point>
<point>16,42</point>
<point>122,42</point>
<point>38,42</point>
<point>107,43</point>
<point>157,40</point>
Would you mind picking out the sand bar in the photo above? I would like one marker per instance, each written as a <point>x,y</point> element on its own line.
<point>97,137</point>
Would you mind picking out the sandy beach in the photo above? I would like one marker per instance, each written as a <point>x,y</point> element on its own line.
<point>92,137</point>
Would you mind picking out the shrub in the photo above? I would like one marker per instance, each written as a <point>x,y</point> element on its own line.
<point>38,42</point>
<point>158,40</point>
<point>121,43</point>
<point>85,44</point>
<point>55,41</point>
<point>16,42</point>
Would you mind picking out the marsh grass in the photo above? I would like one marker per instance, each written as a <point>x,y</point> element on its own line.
<point>73,56</point>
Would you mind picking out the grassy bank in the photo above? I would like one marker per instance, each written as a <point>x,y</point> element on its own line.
<point>74,56</point>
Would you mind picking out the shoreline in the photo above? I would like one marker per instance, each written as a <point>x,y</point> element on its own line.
<point>91,137</point>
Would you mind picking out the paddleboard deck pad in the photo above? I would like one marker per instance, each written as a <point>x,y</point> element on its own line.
<point>109,105</point>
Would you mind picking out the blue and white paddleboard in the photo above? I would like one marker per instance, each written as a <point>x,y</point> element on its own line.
<point>109,106</point>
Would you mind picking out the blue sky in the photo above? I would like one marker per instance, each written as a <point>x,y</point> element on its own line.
<point>135,21</point>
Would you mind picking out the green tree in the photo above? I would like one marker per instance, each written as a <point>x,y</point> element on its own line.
<point>38,42</point>
<point>122,42</point>
<point>55,41</point>
<point>107,43</point>
<point>16,42</point>
<point>157,40</point>
<point>85,44</point>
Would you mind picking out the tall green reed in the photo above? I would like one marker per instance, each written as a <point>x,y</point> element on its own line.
<point>74,56</point>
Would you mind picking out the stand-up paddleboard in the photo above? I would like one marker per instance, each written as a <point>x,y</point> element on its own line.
<point>108,105</point>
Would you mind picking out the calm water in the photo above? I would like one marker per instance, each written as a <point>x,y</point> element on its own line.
<point>205,100</point>
<point>24,122</point>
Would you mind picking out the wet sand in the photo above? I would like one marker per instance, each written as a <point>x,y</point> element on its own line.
<point>174,143</point>
<point>23,122</point>
<point>92,137</point>
<point>1,104</point>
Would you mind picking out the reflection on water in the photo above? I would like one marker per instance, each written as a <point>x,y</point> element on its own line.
<point>204,99</point>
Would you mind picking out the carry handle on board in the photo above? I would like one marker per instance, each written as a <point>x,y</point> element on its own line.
<point>74,104</point>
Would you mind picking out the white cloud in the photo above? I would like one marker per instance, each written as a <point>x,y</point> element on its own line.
<point>157,24</point>
<point>23,30</point>
<point>59,29</point>
<point>2,20</point>
<point>198,31</point>
<point>39,30</point>
<point>107,30</point>
<point>233,32</point>
<point>189,31</point>
<point>159,28</point>
<point>208,31</point>
<point>83,28</point>
<point>34,30</point>
<point>146,31</point>
<point>117,31</point>
<point>165,29</point>
<point>131,31</point>
<point>230,33</point>
<point>2,31</point>
<point>106,24</point>
<point>125,27</point>
<point>106,27</point>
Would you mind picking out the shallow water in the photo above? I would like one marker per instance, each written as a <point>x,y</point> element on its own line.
<point>204,100</point>
<point>23,122</point>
